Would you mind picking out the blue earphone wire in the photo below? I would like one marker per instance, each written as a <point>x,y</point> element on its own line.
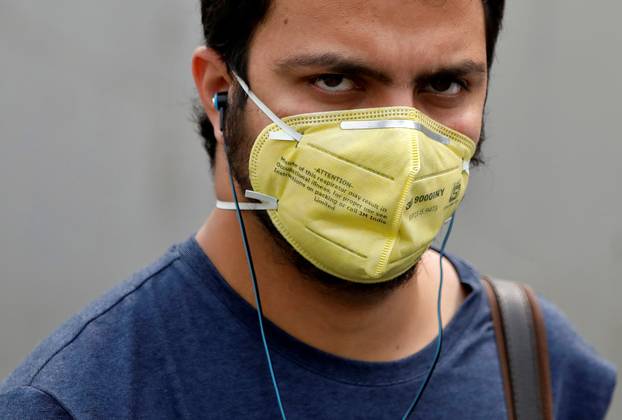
<point>439,338</point>
<point>251,268</point>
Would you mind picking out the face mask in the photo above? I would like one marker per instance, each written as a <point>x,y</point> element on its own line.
<point>359,193</point>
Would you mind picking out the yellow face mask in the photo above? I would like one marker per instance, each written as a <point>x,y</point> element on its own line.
<point>360,193</point>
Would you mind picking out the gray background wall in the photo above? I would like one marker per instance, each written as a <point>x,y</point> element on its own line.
<point>100,168</point>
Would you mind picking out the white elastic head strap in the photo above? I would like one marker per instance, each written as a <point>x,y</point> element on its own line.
<point>266,202</point>
<point>295,135</point>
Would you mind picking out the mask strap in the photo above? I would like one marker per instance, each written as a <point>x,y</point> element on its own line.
<point>295,135</point>
<point>266,202</point>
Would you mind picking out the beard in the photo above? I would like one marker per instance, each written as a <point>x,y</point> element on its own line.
<point>240,140</point>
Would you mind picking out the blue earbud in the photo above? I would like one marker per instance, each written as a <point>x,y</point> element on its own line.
<point>220,100</point>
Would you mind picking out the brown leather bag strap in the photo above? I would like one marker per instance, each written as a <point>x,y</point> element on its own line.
<point>522,348</point>
<point>546,386</point>
<point>501,349</point>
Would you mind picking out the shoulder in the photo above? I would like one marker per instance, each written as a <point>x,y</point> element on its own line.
<point>91,327</point>
<point>583,382</point>
<point>29,403</point>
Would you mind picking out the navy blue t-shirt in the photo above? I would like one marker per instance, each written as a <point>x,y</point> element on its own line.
<point>176,342</point>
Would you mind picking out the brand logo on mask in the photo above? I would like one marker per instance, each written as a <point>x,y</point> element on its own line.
<point>455,192</point>
<point>425,197</point>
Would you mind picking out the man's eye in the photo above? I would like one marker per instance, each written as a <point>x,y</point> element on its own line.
<point>334,83</point>
<point>445,86</point>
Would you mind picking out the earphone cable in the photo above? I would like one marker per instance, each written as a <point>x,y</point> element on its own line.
<point>439,339</point>
<point>251,269</point>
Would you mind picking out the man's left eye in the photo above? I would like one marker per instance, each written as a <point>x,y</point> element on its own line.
<point>445,86</point>
<point>334,83</point>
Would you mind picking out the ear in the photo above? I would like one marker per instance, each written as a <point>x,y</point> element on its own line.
<point>210,77</point>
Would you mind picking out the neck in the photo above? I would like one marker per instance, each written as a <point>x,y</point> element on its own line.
<point>370,327</point>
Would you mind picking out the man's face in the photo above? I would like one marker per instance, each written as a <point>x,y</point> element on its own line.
<point>312,56</point>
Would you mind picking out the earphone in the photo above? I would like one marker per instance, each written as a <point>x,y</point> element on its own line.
<point>220,100</point>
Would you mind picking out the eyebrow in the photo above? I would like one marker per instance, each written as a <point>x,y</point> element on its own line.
<point>336,63</point>
<point>462,69</point>
<point>331,62</point>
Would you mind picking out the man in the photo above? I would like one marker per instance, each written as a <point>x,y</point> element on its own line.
<point>341,338</point>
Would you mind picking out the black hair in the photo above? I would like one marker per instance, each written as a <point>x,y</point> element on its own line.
<point>229,26</point>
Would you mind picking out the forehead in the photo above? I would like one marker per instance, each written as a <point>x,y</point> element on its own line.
<point>389,33</point>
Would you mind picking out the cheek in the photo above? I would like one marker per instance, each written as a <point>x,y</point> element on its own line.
<point>254,120</point>
<point>467,122</point>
